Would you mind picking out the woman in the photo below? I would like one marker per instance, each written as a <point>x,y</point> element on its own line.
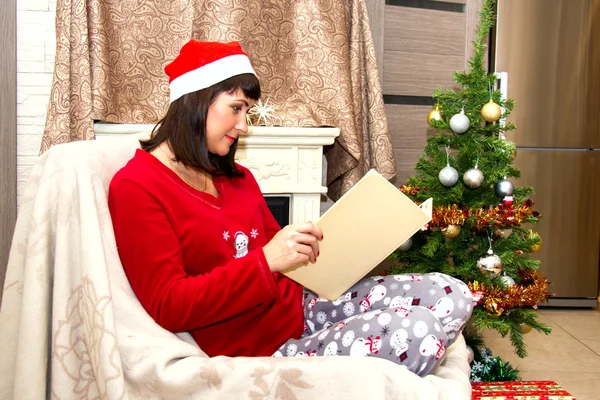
<point>203,253</point>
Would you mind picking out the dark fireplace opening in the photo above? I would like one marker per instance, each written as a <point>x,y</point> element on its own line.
<point>280,208</point>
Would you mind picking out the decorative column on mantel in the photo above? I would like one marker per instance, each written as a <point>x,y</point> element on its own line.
<point>286,161</point>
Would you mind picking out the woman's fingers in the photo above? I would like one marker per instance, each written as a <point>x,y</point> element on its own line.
<point>311,241</point>
<point>293,245</point>
<point>311,228</point>
<point>304,253</point>
<point>311,235</point>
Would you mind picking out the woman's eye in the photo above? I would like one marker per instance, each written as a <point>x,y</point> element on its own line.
<point>237,109</point>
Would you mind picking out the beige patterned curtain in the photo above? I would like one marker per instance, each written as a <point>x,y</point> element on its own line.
<point>315,60</point>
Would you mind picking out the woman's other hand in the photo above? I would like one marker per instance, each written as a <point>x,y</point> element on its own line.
<point>292,246</point>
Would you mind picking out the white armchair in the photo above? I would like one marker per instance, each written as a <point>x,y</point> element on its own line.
<point>71,327</point>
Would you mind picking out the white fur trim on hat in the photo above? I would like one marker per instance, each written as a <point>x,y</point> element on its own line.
<point>209,74</point>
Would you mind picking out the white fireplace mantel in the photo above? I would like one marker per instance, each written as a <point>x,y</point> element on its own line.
<point>286,161</point>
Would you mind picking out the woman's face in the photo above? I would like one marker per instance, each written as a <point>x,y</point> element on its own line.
<point>226,120</point>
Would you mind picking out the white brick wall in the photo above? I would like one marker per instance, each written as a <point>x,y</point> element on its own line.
<point>36,48</point>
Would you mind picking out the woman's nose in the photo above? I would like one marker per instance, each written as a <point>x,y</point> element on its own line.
<point>242,124</point>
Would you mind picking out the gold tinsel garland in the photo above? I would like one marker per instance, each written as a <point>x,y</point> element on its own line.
<point>410,190</point>
<point>503,215</point>
<point>443,216</point>
<point>532,291</point>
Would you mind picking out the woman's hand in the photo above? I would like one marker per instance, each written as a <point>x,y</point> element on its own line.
<point>292,246</point>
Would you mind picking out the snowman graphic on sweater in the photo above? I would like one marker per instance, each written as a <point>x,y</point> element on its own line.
<point>241,244</point>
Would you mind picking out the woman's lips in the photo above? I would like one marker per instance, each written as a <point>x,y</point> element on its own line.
<point>230,138</point>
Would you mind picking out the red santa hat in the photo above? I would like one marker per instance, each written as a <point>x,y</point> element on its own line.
<point>202,64</point>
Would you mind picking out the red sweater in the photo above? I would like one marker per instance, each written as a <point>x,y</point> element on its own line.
<point>196,262</point>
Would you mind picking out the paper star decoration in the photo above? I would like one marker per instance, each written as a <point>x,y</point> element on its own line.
<point>262,112</point>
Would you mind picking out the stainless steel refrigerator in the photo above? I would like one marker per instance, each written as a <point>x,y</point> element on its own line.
<point>550,51</point>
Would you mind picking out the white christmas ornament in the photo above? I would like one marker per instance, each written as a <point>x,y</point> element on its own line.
<point>262,112</point>
<point>473,178</point>
<point>448,176</point>
<point>491,264</point>
<point>406,245</point>
<point>507,280</point>
<point>459,123</point>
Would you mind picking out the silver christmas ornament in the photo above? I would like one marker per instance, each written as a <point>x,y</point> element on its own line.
<point>504,188</point>
<point>459,123</point>
<point>448,176</point>
<point>507,280</point>
<point>473,178</point>
<point>490,265</point>
<point>406,245</point>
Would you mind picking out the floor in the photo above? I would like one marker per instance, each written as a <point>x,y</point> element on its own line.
<point>570,355</point>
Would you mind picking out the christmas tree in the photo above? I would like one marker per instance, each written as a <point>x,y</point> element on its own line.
<point>480,231</point>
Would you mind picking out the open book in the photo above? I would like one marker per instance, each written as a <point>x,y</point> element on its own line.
<point>360,230</point>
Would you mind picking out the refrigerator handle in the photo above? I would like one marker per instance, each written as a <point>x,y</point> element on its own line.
<point>502,84</point>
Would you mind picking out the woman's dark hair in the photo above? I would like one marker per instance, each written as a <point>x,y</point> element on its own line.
<point>184,127</point>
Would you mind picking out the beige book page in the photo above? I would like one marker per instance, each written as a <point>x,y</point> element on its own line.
<point>360,230</point>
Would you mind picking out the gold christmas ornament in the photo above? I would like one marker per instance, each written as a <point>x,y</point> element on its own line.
<point>534,235</point>
<point>451,231</point>
<point>525,328</point>
<point>491,111</point>
<point>535,247</point>
<point>434,114</point>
